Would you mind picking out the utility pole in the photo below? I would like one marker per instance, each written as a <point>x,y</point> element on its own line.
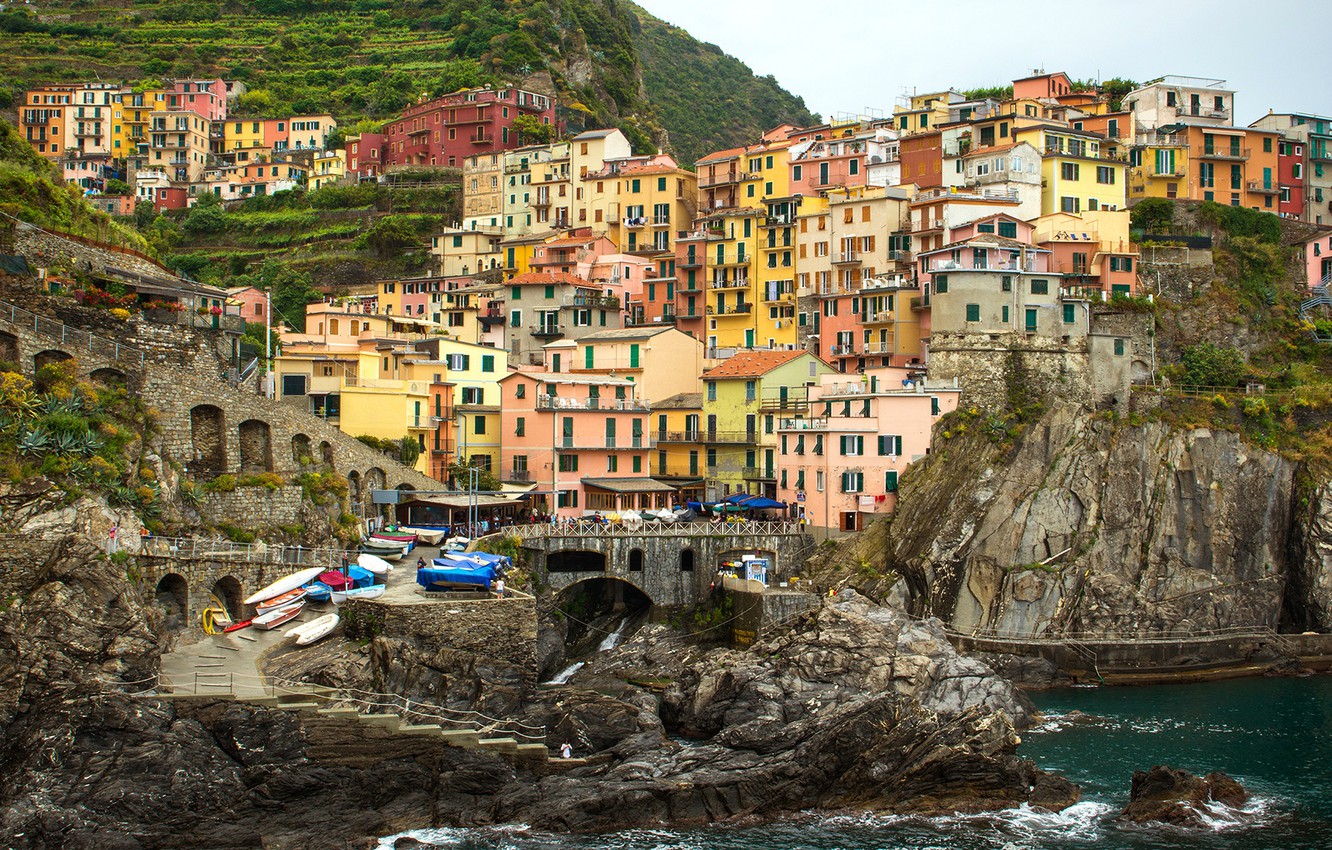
<point>268,343</point>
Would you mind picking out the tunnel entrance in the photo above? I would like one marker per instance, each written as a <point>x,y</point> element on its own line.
<point>595,616</point>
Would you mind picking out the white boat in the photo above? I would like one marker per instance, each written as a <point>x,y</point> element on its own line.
<point>428,536</point>
<point>374,591</point>
<point>316,629</point>
<point>282,600</point>
<point>283,585</point>
<point>373,563</point>
<point>457,544</point>
<point>277,617</point>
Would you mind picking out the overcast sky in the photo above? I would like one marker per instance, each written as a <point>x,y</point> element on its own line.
<point>846,56</point>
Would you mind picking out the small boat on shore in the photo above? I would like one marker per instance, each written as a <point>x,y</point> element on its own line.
<point>373,563</point>
<point>278,616</point>
<point>235,627</point>
<point>428,536</point>
<point>315,630</point>
<point>283,585</point>
<point>387,553</point>
<point>317,591</point>
<point>280,601</point>
<point>374,591</point>
<point>393,537</point>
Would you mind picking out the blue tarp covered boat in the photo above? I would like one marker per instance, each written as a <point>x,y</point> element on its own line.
<point>449,573</point>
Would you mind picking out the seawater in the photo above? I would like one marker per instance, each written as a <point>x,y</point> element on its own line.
<point>1274,735</point>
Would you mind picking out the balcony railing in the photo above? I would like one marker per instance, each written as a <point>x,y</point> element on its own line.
<point>609,302</point>
<point>690,261</point>
<point>1262,188</point>
<point>757,473</point>
<point>736,283</point>
<point>707,181</point>
<point>731,310</point>
<point>1225,153</point>
<point>660,220</point>
<point>547,330</point>
<point>559,402</point>
<point>677,436</point>
<point>846,257</point>
<point>518,475</point>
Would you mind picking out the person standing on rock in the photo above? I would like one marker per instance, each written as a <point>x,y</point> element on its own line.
<point>566,751</point>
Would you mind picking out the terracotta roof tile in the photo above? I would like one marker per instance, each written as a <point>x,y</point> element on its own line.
<point>548,277</point>
<point>753,364</point>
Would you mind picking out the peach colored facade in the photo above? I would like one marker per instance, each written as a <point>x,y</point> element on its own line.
<point>583,440</point>
<point>839,462</point>
<point>253,303</point>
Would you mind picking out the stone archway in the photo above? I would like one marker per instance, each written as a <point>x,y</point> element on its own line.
<point>375,479</point>
<point>49,356</point>
<point>606,593</point>
<point>109,377</point>
<point>173,594</point>
<point>227,591</point>
<point>208,434</point>
<point>635,560</point>
<point>256,447</point>
<point>576,561</point>
<point>326,455</point>
<point>301,453</point>
<point>9,350</point>
<point>354,486</point>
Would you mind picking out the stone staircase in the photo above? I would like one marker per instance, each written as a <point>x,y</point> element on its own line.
<point>324,702</point>
<point>1319,296</point>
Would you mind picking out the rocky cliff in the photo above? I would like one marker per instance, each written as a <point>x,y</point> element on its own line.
<point>1088,525</point>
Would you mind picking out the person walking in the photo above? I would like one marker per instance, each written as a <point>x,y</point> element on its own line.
<point>499,588</point>
<point>566,751</point>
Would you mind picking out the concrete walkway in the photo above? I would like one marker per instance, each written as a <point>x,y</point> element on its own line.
<point>229,663</point>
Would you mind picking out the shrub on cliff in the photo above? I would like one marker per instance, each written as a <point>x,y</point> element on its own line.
<point>1208,365</point>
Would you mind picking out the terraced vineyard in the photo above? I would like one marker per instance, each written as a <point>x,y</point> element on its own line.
<point>610,63</point>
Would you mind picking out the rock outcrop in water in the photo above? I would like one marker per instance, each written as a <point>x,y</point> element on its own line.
<point>1167,795</point>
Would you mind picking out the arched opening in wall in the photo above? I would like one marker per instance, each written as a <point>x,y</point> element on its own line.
<point>1141,371</point>
<point>687,560</point>
<point>375,479</point>
<point>9,350</point>
<point>173,595</point>
<point>326,454</point>
<point>49,356</point>
<point>599,613</point>
<point>208,435</point>
<point>226,594</point>
<point>635,560</point>
<point>256,447</point>
<point>109,377</point>
<point>354,486</point>
<point>301,454</point>
<point>576,561</point>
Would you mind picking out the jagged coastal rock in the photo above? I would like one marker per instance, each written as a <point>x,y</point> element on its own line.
<point>853,707</point>
<point>1169,795</point>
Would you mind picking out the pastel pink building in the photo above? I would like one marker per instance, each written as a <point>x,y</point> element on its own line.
<point>365,155</point>
<point>206,98</point>
<point>1318,259</point>
<point>840,462</point>
<point>253,303</point>
<point>581,438</point>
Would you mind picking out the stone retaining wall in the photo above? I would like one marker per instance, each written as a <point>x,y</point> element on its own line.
<point>254,507</point>
<point>502,630</point>
<point>756,612</point>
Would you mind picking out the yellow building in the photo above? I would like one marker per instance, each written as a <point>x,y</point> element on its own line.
<point>241,134</point>
<point>661,361</point>
<point>467,252</point>
<point>327,169</point>
<point>545,201</point>
<point>676,423</point>
<point>131,121</point>
<point>924,112</point>
<point>472,372</point>
<point>1079,170</point>
<point>743,399</point>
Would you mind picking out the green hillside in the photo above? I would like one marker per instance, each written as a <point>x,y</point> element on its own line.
<point>608,61</point>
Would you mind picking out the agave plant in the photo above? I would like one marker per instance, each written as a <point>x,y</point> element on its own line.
<point>89,443</point>
<point>64,442</point>
<point>35,441</point>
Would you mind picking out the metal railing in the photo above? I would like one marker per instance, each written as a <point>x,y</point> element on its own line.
<point>590,528</point>
<point>67,335</point>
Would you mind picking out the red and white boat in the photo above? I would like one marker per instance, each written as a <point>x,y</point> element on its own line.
<point>282,600</point>
<point>235,627</point>
<point>275,618</point>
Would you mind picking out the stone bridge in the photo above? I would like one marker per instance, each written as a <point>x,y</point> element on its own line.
<point>671,564</point>
<point>209,426</point>
<point>185,573</point>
